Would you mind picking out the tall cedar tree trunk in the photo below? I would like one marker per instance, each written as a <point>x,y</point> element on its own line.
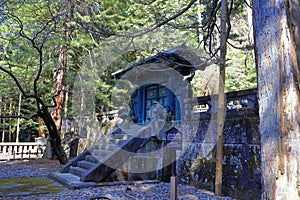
<point>221,100</point>
<point>42,132</point>
<point>276,34</point>
<point>61,70</point>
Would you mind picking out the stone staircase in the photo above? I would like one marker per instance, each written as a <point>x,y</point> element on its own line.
<point>101,152</point>
<point>100,160</point>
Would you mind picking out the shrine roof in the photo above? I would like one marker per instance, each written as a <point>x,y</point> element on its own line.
<point>174,58</point>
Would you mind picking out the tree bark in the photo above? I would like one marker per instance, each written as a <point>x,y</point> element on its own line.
<point>221,100</point>
<point>61,70</point>
<point>41,130</point>
<point>278,78</point>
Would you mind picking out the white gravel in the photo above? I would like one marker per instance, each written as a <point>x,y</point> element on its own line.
<point>42,168</point>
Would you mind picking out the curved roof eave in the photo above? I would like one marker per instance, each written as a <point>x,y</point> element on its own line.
<point>183,65</point>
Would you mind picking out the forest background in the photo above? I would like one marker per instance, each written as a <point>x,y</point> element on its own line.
<point>44,45</point>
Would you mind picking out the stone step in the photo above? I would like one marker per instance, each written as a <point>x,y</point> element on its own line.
<point>122,136</point>
<point>78,171</point>
<point>102,153</point>
<point>85,164</point>
<point>118,158</point>
<point>101,160</point>
<point>116,141</point>
<point>71,181</point>
<point>109,147</point>
<point>92,158</point>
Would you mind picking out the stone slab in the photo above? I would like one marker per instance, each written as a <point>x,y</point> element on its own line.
<point>73,182</point>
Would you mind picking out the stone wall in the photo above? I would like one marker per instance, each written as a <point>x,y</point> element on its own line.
<point>241,157</point>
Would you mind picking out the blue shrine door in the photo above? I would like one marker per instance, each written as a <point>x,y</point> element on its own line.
<point>157,93</point>
<point>143,98</point>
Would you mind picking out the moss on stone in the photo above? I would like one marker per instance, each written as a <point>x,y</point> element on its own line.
<point>29,186</point>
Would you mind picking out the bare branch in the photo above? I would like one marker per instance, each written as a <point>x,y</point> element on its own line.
<point>54,17</point>
<point>161,23</point>
<point>247,4</point>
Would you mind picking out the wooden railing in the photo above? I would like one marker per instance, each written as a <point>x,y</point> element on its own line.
<point>21,150</point>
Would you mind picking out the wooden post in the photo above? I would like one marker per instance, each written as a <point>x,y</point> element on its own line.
<point>37,151</point>
<point>221,101</point>
<point>22,151</point>
<point>298,174</point>
<point>9,151</point>
<point>174,186</point>
<point>174,179</point>
<point>174,142</point>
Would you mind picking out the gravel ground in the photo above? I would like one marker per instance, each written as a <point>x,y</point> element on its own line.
<point>41,168</point>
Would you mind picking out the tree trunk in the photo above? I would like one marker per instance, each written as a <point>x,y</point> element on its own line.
<point>41,130</point>
<point>60,86</point>
<point>55,139</point>
<point>250,22</point>
<point>2,121</point>
<point>275,34</point>
<point>18,120</point>
<point>61,70</point>
<point>3,131</point>
<point>221,100</point>
<point>200,32</point>
<point>10,122</point>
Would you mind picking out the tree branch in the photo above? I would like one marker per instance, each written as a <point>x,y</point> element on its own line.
<point>18,117</point>
<point>33,41</point>
<point>15,80</point>
<point>161,23</point>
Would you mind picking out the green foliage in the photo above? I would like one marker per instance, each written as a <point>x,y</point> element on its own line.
<point>240,70</point>
<point>240,67</point>
<point>32,19</point>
